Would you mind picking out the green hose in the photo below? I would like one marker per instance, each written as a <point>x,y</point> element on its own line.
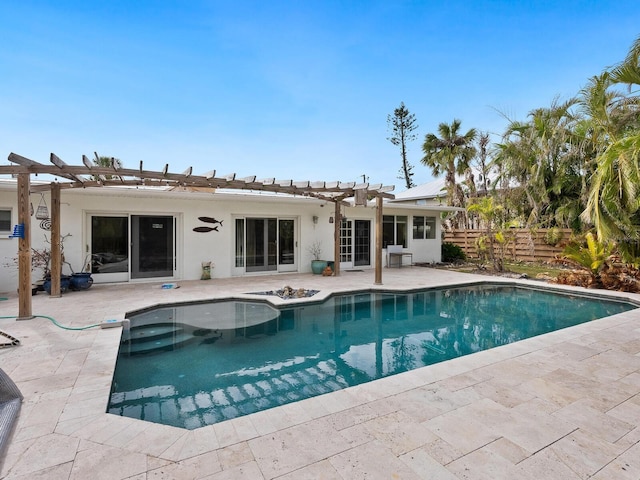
<point>58,325</point>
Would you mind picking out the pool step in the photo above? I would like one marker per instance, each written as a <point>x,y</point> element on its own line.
<point>153,331</point>
<point>156,337</point>
<point>160,344</point>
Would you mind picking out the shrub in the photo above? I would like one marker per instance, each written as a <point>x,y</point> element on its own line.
<point>553,236</point>
<point>452,253</point>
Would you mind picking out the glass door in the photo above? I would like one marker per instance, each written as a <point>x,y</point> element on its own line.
<point>261,244</point>
<point>108,248</point>
<point>152,246</point>
<point>346,243</point>
<point>362,243</point>
<point>355,243</point>
<point>265,244</point>
<point>122,247</point>
<point>287,245</point>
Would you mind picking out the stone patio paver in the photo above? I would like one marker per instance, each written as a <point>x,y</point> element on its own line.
<point>565,405</point>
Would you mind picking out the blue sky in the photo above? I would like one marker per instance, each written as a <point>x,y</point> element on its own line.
<point>288,89</point>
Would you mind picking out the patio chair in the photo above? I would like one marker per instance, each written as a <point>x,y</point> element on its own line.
<point>397,252</point>
<point>10,402</point>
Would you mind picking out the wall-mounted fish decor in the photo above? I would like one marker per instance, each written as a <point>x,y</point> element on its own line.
<point>210,220</point>
<point>205,229</point>
<point>208,229</point>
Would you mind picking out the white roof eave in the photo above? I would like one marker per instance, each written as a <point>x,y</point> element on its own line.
<point>424,208</point>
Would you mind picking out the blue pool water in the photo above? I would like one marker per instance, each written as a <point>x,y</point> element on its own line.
<point>198,364</point>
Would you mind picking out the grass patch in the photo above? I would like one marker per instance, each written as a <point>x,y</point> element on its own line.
<point>531,270</point>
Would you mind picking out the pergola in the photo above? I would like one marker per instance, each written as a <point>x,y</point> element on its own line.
<point>90,175</point>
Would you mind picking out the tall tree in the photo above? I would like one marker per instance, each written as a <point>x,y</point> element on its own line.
<point>402,124</point>
<point>482,162</point>
<point>451,154</point>
<point>541,157</point>
<point>613,206</point>
<point>628,72</point>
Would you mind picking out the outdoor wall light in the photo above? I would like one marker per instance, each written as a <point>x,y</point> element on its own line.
<point>315,219</point>
<point>330,219</point>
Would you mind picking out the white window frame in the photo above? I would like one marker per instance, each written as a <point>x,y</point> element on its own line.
<point>9,230</point>
<point>420,231</point>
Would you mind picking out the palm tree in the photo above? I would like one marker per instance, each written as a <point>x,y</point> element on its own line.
<point>613,205</point>
<point>488,211</point>
<point>629,71</point>
<point>108,162</point>
<point>451,154</point>
<point>541,157</point>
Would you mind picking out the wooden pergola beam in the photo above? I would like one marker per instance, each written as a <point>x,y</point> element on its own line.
<point>98,176</point>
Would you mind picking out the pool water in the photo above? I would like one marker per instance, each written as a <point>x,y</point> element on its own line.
<point>199,364</point>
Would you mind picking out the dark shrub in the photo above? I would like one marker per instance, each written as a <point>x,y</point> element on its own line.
<point>452,253</point>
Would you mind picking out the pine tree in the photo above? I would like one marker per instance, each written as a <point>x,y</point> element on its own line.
<point>401,124</point>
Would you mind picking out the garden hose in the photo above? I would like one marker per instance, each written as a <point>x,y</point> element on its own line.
<point>53,320</point>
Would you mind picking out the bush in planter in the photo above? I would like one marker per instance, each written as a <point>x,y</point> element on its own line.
<point>317,265</point>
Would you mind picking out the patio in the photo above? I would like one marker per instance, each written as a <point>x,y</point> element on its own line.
<point>565,405</point>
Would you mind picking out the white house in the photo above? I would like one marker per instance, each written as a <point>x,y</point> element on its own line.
<point>140,233</point>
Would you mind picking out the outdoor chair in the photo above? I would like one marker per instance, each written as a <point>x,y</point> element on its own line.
<point>10,402</point>
<point>396,252</point>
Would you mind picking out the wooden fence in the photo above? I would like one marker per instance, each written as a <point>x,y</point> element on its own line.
<point>523,244</point>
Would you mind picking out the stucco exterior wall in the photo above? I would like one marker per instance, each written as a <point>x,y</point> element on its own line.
<point>192,248</point>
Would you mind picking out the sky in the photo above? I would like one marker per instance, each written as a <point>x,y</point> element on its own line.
<point>287,89</point>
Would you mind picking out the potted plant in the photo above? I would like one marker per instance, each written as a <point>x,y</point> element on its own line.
<point>317,265</point>
<point>76,281</point>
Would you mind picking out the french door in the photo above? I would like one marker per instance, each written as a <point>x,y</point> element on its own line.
<point>266,244</point>
<point>355,243</point>
<point>124,247</point>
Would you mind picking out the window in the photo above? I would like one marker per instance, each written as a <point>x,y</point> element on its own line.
<point>5,220</point>
<point>394,230</point>
<point>424,227</point>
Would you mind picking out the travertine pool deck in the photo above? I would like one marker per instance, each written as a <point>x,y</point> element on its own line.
<point>565,405</point>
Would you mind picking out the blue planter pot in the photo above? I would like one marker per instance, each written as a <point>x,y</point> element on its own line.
<point>81,281</point>
<point>65,282</point>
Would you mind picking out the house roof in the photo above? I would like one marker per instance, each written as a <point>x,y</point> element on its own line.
<point>425,191</point>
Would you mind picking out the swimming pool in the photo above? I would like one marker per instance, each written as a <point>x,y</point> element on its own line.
<point>198,364</point>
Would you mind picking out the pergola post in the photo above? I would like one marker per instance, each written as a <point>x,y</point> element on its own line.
<point>378,259</point>
<point>24,248</point>
<point>56,248</point>
<point>336,239</point>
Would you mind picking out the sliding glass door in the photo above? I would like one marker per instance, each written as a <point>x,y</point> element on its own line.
<point>265,244</point>
<point>261,244</point>
<point>108,248</point>
<point>152,246</point>
<point>131,247</point>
